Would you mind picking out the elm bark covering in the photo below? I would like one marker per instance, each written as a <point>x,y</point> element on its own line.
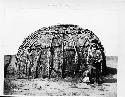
<point>61,49</point>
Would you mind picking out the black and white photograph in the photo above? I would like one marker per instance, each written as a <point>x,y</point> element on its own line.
<point>60,47</point>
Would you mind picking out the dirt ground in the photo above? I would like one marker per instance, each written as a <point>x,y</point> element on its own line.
<point>63,87</point>
<point>52,87</point>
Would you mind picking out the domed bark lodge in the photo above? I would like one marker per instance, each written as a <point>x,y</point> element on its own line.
<point>61,50</point>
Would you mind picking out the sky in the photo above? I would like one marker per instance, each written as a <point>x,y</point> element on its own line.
<point>19,18</point>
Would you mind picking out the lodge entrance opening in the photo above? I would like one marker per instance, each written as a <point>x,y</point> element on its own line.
<point>69,64</point>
